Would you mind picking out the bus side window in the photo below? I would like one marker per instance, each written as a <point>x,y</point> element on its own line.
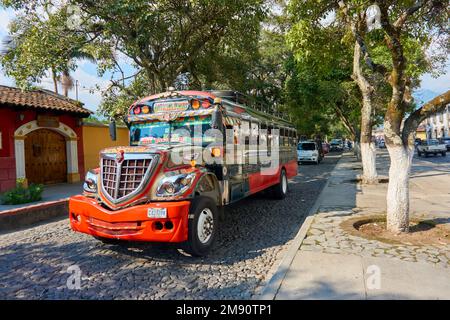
<point>262,137</point>
<point>245,131</point>
<point>269,139</point>
<point>254,140</point>
<point>287,142</point>
<point>282,137</point>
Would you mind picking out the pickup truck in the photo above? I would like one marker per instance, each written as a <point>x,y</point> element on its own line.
<point>432,146</point>
<point>446,141</point>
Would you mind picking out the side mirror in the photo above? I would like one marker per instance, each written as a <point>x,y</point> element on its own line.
<point>113,130</point>
<point>125,120</point>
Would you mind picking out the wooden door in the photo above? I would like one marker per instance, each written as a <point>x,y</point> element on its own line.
<point>45,157</point>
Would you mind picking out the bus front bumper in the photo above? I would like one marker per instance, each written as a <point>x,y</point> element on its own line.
<point>132,223</point>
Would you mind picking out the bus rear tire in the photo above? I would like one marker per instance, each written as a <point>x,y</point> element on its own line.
<point>280,190</point>
<point>203,227</point>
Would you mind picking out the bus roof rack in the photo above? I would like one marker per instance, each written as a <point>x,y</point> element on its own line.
<point>251,101</point>
<point>234,96</point>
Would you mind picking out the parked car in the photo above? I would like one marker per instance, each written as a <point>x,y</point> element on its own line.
<point>336,145</point>
<point>446,141</point>
<point>417,141</point>
<point>432,146</point>
<point>308,151</point>
<point>381,144</point>
<point>325,147</point>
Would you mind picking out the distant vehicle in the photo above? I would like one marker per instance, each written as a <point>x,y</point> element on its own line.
<point>381,144</point>
<point>308,151</point>
<point>446,141</point>
<point>432,146</point>
<point>325,147</point>
<point>336,145</point>
<point>417,141</point>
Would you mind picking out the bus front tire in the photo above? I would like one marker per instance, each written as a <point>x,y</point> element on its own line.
<point>202,227</point>
<point>280,190</point>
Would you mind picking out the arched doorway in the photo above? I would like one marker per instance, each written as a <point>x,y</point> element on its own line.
<point>45,157</point>
<point>70,149</point>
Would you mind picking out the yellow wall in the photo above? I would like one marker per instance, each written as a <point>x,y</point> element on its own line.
<point>421,135</point>
<point>95,138</point>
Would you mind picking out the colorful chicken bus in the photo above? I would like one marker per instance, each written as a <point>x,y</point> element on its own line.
<point>191,153</point>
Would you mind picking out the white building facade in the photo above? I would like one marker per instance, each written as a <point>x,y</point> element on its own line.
<point>438,126</point>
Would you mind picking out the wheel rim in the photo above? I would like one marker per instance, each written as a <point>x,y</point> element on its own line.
<point>284,183</point>
<point>205,225</point>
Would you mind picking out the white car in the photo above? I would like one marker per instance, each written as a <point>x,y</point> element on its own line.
<point>307,152</point>
<point>432,146</point>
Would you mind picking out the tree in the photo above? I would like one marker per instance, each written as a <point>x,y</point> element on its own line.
<point>318,24</point>
<point>39,43</point>
<point>324,68</point>
<point>401,20</point>
<point>164,39</point>
<point>394,53</point>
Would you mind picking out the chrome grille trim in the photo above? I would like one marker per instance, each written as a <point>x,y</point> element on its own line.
<point>121,181</point>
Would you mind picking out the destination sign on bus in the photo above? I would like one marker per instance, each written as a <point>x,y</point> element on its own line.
<point>167,106</point>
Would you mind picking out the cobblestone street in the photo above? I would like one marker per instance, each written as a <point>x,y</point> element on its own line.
<point>256,231</point>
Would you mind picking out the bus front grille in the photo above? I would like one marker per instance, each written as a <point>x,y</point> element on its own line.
<point>121,180</point>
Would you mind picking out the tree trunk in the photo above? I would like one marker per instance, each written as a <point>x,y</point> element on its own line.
<point>55,81</point>
<point>398,189</point>
<point>368,159</point>
<point>368,151</point>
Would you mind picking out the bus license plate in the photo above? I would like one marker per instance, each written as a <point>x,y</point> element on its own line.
<point>159,213</point>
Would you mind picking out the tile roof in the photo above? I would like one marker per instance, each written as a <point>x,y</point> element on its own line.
<point>40,99</point>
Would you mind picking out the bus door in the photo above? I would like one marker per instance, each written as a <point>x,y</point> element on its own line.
<point>234,161</point>
<point>251,165</point>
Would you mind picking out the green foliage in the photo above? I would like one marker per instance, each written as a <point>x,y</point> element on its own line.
<point>206,39</point>
<point>36,45</point>
<point>320,90</point>
<point>20,194</point>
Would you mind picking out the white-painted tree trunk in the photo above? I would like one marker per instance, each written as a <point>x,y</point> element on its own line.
<point>398,189</point>
<point>368,158</point>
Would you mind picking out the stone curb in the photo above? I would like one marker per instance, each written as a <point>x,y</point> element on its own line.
<point>271,288</point>
<point>22,217</point>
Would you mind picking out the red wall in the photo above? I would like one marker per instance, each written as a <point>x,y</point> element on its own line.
<point>9,122</point>
<point>7,160</point>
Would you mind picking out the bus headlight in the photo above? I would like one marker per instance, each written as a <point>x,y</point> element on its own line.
<point>90,182</point>
<point>175,185</point>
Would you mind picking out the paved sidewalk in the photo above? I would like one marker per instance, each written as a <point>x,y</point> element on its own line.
<point>51,193</point>
<point>333,264</point>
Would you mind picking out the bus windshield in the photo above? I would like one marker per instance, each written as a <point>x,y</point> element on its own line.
<point>185,130</point>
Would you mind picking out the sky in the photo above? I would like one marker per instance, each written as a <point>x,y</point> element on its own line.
<point>87,77</point>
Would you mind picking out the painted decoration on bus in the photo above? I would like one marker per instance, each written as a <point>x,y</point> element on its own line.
<point>168,106</point>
